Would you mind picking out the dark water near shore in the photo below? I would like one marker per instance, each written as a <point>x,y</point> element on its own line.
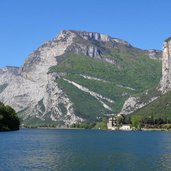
<point>84,150</point>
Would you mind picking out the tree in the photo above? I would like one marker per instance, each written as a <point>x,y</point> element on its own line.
<point>120,120</point>
<point>136,121</point>
<point>8,118</point>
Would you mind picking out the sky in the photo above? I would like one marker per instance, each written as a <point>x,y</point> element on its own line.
<point>26,24</point>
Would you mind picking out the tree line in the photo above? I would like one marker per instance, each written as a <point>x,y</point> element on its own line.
<point>138,121</point>
<point>8,118</point>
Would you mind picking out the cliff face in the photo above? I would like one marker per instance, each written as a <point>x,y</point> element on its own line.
<point>34,92</point>
<point>165,83</point>
<point>134,103</point>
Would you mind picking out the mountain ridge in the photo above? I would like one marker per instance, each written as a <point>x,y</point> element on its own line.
<point>33,91</point>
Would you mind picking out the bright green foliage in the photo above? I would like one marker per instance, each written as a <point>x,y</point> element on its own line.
<point>102,124</point>
<point>128,72</point>
<point>84,105</point>
<point>106,89</point>
<point>136,121</point>
<point>8,118</point>
<point>139,73</point>
<point>160,108</point>
<point>133,69</point>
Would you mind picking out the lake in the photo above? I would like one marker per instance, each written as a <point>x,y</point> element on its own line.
<point>84,150</point>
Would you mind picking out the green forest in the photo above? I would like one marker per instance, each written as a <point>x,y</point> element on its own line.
<point>8,118</point>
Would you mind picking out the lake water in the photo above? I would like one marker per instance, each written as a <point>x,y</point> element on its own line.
<point>84,150</point>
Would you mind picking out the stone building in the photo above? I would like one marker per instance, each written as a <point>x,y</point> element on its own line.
<point>116,123</point>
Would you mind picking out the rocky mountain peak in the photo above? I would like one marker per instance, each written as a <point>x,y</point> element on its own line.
<point>64,35</point>
<point>35,93</point>
<point>80,42</point>
<point>93,36</point>
<point>39,62</point>
<point>87,43</point>
<point>90,36</point>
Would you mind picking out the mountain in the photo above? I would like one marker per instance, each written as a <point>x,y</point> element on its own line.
<point>161,106</point>
<point>165,83</point>
<point>78,76</point>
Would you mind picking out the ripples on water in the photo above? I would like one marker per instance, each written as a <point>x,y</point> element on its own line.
<point>84,150</point>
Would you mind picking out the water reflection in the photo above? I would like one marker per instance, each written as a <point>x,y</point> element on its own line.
<point>65,150</point>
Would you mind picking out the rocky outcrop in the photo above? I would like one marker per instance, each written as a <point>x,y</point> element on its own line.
<point>165,83</point>
<point>154,54</point>
<point>9,70</point>
<point>88,50</point>
<point>33,92</point>
<point>37,64</point>
<point>130,105</point>
<point>87,43</point>
<point>93,36</point>
<point>134,103</point>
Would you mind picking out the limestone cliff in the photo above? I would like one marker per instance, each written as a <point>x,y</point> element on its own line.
<point>165,83</point>
<point>33,91</point>
<point>134,103</point>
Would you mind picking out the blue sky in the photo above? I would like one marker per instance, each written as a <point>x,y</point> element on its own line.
<point>26,24</point>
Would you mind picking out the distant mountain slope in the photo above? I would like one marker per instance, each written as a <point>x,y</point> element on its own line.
<point>78,76</point>
<point>160,108</point>
<point>115,83</point>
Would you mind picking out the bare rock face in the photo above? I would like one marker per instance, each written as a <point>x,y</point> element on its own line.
<point>130,105</point>
<point>94,36</point>
<point>134,103</point>
<point>154,54</point>
<point>88,50</point>
<point>37,64</point>
<point>86,43</point>
<point>165,83</point>
<point>33,92</point>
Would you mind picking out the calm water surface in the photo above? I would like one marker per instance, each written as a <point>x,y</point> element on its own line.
<point>84,150</point>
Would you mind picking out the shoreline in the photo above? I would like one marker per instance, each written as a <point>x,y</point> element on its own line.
<point>143,129</point>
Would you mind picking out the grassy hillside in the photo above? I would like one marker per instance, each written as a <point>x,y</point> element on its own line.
<point>132,73</point>
<point>160,108</point>
<point>85,105</point>
<point>139,72</point>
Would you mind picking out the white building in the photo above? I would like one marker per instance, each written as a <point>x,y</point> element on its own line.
<point>112,124</point>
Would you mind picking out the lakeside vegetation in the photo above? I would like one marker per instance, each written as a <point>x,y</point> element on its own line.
<point>8,118</point>
<point>155,115</point>
<point>150,122</point>
<point>136,122</point>
<point>101,124</point>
